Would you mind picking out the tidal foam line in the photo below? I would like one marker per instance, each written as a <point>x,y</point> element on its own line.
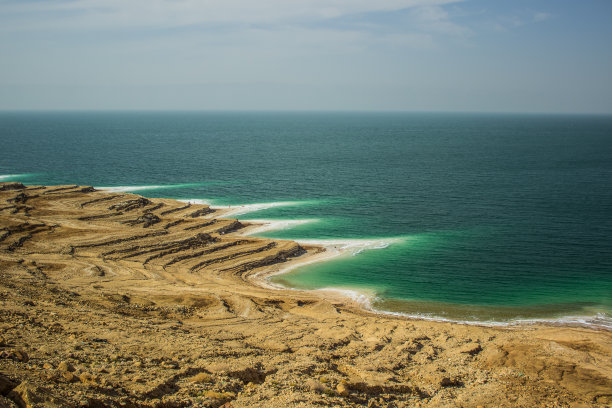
<point>362,297</point>
<point>236,210</point>
<point>8,177</point>
<point>599,321</point>
<point>260,226</point>
<point>352,246</point>
<point>126,189</point>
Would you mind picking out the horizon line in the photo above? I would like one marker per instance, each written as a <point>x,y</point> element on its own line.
<point>320,111</point>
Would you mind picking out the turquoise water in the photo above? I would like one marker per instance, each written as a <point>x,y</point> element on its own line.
<point>463,216</point>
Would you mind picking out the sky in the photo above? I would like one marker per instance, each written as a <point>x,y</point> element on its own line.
<point>552,56</point>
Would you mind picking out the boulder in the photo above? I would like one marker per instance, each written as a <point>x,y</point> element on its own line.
<point>28,395</point>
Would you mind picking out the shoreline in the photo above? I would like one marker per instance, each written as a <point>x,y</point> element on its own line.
<point>115,299</point>
<point>327,249</point>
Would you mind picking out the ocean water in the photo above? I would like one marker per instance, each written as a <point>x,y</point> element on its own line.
<point>479,218</point>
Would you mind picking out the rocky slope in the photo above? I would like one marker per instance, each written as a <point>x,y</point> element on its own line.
<point>113,299</point>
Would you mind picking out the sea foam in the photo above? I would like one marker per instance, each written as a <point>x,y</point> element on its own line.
<point>352,246</point>
<point>125,189</point>
<point>236,210</point>
<point>10,177</point>
<point>260,226</point>
<point>599,321</point>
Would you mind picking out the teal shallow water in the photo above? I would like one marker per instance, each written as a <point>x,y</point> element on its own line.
<point>492,217</point>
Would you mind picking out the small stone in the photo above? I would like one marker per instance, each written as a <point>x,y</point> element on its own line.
<point>68,376</point>
<point>48,366</point>
<point>343,389</point>
<point>65,366</point>
<point>450,382</point>
<point>21,355</point>
<point>170,364</point>
<point>372,404</point>
<point>315,385</point>
<point>87,378</point>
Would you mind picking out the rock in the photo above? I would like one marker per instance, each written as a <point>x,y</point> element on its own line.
<point>244,372</point>
<point>315,385</point>
<point>170,364</point>
<point>372,404</point>
<point>343,388</point>
<point>450,382</point>
<point>471,349</point>
<point>11,186</point>
<point>87,379</point>
<point>21,355</point>
<point>202,378</point>
<point>65,366</point>
<point>47,366</point>
<point>219,398</point>
<point>6,385</point>
<point>68,376</point>
<point>147,219</point>
<point>27,395</point>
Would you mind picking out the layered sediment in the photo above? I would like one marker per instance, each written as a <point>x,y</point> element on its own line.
<point>114,299</point>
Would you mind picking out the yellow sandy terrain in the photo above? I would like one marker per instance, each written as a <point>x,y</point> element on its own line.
<point>111,299</point>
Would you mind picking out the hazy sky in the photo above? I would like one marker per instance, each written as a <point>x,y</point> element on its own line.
<point>432,55</point>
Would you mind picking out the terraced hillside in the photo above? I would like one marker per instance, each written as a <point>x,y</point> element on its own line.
<point>106,233</point>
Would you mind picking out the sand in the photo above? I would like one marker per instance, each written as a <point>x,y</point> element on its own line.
<point>110,299</point>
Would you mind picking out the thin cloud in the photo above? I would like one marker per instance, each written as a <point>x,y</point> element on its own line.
<point>540,16</point>
<point>166,13</point>
<point>434,18</point>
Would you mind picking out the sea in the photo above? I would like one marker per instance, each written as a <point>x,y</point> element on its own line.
<point>479,218</point>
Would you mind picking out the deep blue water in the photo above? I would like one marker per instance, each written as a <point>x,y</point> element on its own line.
<point>485,216</point>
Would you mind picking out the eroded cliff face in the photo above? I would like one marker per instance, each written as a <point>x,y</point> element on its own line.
<point>118,300</point>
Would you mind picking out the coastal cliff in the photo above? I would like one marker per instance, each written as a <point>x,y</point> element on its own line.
<point>112,299</point>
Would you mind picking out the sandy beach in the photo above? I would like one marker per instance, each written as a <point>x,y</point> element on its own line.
<point>112,299</point>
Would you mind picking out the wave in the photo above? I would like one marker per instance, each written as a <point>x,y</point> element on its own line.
<point>125,189</point>
<point>10,177</point>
